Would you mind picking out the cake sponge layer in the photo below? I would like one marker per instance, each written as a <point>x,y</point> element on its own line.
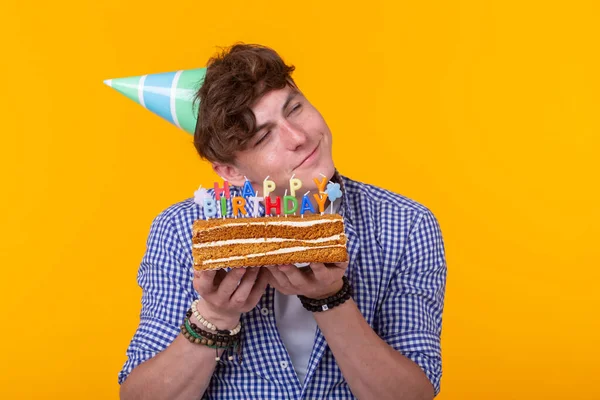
<point>291,227</point>
<point>246,242</point>
<point>323,255</point>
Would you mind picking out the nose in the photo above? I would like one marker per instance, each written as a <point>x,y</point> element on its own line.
<point>293,135</point>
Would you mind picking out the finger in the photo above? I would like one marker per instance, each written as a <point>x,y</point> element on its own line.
<point>204,282</point>
<point>342,265</point>
<point>230,283</point>
<point>282,281</point>
<point>221,274</point>
<point>322,273</point>
<point>241,293</point>
<point>296,278</point>
<point>271,281</point>
<point>258,289</point>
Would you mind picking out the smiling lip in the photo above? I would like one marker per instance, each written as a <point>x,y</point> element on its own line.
<point>309,157</point>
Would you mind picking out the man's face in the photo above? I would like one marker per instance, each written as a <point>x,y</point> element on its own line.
<point>292,139</point>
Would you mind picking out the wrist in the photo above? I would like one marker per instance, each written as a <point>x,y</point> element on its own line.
<point>218,318</point>
<point>335,299</point>
<point>332,290</point>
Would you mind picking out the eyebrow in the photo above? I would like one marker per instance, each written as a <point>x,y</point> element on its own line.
<point>290,97</point>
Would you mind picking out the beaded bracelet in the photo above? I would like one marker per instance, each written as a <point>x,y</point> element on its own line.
<point>195,335</point>
<point>210,325</point>
<point>215,337</point>
<point>198,339</point>
<point>232,332</point>
<point>318,305</point>
<point>341,293</point>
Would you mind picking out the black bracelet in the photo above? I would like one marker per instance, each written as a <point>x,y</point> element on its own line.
<point>318,305</point>
<point>212,336</point>
<point>222,339</point>
<point>346,288</point>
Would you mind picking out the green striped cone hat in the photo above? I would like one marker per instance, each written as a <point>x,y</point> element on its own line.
<point>169,95</point>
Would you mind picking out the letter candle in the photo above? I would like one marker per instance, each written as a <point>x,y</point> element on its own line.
<point>320,198</point>
<point>247,204</point>
<point>286,200</point>
<point>306,204</point>
<point>223,207</point>
<point>320,185</point>
<point>268,187</point>
<point>238,203</point>
<point>276,205</point>
<point>210,209</point>
<point>219,190</point>
<point>323,175</point>
<point>247,190</point>
<point>295,184</point>
<point>255,200</point>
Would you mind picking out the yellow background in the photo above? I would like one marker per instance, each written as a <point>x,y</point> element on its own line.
<point>484,111</point>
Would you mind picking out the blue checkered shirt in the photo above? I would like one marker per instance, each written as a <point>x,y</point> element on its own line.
<point>397,268</point>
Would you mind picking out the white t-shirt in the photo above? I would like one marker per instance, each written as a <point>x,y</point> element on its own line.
<point>297,327</point>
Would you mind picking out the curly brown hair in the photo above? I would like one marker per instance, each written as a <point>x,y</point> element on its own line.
<point>235,79</point>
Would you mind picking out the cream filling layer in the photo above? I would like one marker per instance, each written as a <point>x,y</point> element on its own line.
<point>264,240</point>
<point>270,253</point>
<point>277,223</point>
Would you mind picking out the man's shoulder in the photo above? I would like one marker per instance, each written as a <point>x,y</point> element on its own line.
<point>375,195</point>
<point>181,213</point>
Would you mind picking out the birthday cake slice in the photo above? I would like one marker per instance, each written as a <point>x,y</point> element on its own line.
<point>247,242</point>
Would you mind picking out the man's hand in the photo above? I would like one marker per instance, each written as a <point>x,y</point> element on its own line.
<point>317,282</point>
<point>226,295</point>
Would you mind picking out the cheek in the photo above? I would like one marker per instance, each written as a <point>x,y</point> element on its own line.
<point>318,128</point>
<point>315,119</point>
<point>269,160</point>
<point>266,164</point>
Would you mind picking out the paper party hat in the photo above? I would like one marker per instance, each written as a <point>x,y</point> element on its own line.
<point>169,95</point>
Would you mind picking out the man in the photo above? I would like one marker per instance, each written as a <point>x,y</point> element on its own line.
<point>383,343</point>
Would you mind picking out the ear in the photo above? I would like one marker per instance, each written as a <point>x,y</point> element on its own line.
<point>230,173</point>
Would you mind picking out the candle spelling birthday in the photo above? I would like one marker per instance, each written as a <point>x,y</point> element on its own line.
<point>249,239</point>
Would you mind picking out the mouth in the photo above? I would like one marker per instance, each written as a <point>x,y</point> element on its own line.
<point>310,157</point>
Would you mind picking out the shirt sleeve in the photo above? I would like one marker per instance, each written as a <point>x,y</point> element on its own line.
<point>411,316</point>
<point>165,276</point>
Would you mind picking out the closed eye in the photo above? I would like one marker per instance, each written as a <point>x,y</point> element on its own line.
<point>296,107</point>
<point>262,138</point>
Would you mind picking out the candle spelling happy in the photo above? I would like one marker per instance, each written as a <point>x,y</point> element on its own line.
<point>268,187</point>
<point>295,184</point>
